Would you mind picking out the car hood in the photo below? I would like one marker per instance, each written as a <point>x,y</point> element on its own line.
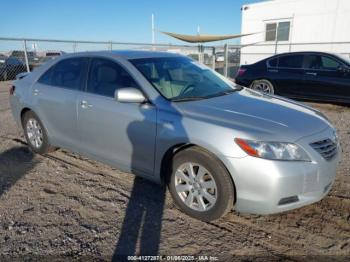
<point>257,116</point>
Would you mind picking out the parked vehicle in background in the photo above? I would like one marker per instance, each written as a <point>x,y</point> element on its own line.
<point>170,119</point>
<point>54,53</point>
<point>33,59</point>
<point>219,57</point>
<point>305,75</point>
<point>233,57</point>
<point>206,58</point>
<point>50,55</point>
<point>10,67</point>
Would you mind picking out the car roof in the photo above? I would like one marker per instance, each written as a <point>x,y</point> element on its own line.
<point>302,53</point>
<point>126,54</point>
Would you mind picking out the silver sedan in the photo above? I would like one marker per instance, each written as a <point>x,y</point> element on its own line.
<point>169,119</point>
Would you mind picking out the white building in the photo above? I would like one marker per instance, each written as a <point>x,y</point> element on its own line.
<point>295,25</point>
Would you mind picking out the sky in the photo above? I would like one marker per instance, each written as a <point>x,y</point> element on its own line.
<point>118,20</point>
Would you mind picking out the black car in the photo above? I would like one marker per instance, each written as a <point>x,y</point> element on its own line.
<point>304,75</point>
<point>10,67</point>
<point>33,60</point>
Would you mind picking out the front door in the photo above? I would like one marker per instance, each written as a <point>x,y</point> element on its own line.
<point>119,134</point>
<point>324,80</point>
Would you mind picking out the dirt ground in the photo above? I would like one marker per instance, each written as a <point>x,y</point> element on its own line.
<point>66,206</point>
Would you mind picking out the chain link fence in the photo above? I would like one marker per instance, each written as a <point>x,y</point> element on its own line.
<point>24,55</point>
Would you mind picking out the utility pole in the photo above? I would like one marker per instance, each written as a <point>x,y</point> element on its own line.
<point>276,40</point>
<point>153,36</point>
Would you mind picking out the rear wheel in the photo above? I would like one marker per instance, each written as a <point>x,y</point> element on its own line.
<point>35,133</point>
<point>263,85</point>
<point>200,185</point>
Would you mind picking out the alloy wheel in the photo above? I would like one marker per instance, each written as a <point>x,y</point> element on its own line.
<point>34,133</point>
<point>263,86</point>
<point>195,186</point>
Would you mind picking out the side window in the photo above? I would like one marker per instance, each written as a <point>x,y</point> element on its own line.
<point>273,62</point>
<point>46,77</point>
<point>13,61</point>
<point>313,62</point>
<point>329,63</point>
<point>106,76</point>
<point>290,61</point>
<point>67,73</point>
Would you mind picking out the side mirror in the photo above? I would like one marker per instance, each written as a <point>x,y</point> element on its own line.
<point>129,95</point>
<point>344,69</point>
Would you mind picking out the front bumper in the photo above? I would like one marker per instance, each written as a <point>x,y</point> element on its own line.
<point>267,186</point>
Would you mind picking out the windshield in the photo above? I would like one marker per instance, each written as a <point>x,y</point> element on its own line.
<point>344,57</point>
<point>181,78</point>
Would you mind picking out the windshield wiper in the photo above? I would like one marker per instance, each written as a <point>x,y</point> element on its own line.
<point>226,92</point>
<point>187,98</point>
<point>193,98</point>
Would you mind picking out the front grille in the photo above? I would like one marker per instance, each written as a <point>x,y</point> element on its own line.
<point>327,148</point>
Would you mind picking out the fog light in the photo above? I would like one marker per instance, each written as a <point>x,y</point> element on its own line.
<point>288,200</point>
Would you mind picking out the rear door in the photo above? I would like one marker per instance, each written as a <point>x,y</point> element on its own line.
<point>55,97</point>
<point>288,75</point>
<point>324,79</point>
<point>119,134</point>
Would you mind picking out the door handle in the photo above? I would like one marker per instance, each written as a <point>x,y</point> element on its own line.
<point>36,92</point>
<point>85,104</point>
<point>311,73</point>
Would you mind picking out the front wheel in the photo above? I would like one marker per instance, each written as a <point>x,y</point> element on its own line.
<point>200,185</point>
<point>263,85</point>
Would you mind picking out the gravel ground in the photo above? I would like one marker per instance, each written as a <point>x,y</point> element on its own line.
<point>66,206</point>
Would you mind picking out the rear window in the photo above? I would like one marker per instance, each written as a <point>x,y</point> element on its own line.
<point>291,61</point>
<point>67,73</point>
<point>273,62</point>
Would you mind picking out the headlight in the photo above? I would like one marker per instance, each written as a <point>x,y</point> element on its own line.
<point>273,150</point>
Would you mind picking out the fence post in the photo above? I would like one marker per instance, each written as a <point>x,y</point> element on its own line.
<point>213,58</point>
<point>110,46</point>
<point>199,53</point>
<point>26,55</point>
<point>225,60</point>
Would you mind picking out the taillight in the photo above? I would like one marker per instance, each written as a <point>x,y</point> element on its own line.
<point>12,90</point>
<point>241,71</point>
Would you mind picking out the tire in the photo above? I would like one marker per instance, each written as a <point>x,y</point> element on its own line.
<point>36,134</point>
<point>263,85</point>
<point>208,169</point>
